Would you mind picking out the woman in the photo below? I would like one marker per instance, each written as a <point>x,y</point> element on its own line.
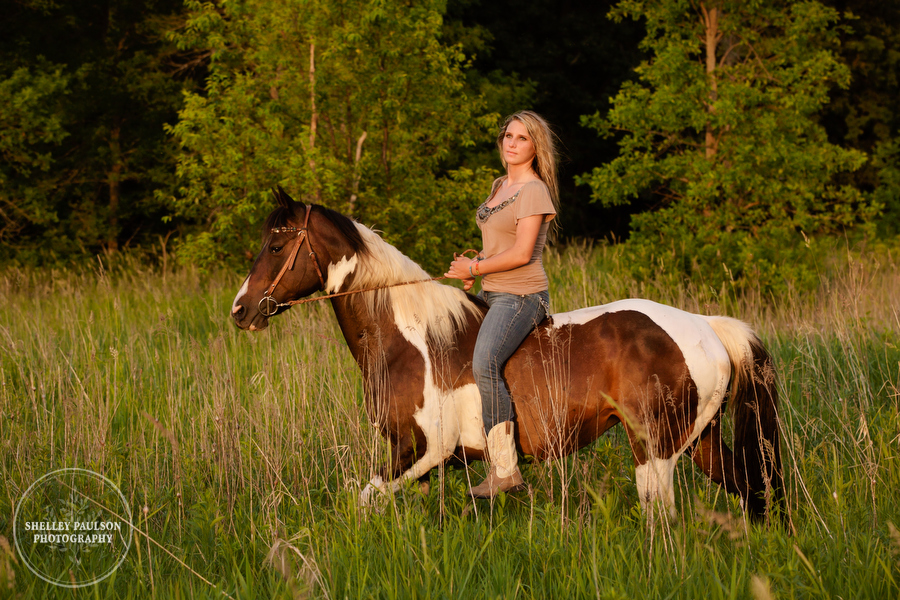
<point>514,221</point>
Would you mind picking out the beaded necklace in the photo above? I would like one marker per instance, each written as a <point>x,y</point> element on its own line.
<point>484,212</point>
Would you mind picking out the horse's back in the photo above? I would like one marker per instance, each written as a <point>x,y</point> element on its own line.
<point>587,366</point>
<point>701,349</point>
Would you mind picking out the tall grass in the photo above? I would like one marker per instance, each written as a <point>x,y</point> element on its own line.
<point>248,450</point>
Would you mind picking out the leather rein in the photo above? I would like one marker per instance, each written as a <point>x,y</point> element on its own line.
<point>268,306</point>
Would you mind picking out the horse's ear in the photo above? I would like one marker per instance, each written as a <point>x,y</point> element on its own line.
<point>282,199</point>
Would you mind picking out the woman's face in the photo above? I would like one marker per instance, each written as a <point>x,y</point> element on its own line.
<point>518,147</point>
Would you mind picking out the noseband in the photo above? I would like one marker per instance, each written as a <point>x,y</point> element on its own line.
<point>268,306</point>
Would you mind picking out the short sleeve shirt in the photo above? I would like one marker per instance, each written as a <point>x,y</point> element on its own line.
<point>498,232</point>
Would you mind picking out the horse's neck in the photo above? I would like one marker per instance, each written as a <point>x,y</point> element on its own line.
<point>377,343</point>
<point>368,336</point>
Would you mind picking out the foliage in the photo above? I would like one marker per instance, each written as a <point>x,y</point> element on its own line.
<point>31,129</point>
<point>886,163</point>
<point>85,89</point>
<point>352,104</point>
<point>864,115</point>
<point>721,132</point>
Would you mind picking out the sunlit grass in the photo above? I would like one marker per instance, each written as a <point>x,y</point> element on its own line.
<point>249,449</point>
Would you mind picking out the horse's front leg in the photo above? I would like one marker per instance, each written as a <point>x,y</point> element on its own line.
<point>412,457</point>
<point>405,451</point>
<point>445,420</point>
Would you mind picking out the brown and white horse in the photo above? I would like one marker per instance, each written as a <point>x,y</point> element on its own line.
<point>661,372</point>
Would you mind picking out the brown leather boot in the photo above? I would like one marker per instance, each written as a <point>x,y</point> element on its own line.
<point>504,475</point>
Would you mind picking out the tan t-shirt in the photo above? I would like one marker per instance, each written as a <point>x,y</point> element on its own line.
<point>498,233</point>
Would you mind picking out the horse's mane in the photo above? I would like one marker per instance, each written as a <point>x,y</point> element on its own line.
<point>437,311</point>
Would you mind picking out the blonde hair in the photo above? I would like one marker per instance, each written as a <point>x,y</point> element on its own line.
<point>544,162</point>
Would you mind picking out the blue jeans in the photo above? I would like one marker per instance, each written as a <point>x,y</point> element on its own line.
<point>506,325</point>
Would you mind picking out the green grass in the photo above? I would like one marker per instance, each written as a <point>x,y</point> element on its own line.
<point>248,451</point>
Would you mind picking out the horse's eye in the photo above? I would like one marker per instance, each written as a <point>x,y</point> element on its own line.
<point>276,249</point>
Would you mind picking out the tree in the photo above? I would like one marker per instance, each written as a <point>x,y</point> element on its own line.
<point>865,115</point>
<point>85,89</point>
<point>31,127</point>
<point>349,103</point>
<point>721,131</point>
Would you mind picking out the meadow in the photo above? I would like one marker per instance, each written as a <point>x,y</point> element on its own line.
<point>242,454</point>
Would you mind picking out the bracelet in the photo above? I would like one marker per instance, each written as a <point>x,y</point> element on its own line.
<point>477,270</point>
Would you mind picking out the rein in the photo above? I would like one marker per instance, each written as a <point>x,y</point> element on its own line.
<point>347,293</point>
<point>268,306</point>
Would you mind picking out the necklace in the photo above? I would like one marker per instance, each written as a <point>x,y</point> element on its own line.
<point>484,212</point>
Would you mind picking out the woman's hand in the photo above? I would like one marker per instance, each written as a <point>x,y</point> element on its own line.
<point>459,269</point>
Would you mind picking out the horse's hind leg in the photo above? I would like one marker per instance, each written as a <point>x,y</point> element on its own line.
<point>717,460</point>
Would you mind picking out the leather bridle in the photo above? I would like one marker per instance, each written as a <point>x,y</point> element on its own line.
<point>268,306</point>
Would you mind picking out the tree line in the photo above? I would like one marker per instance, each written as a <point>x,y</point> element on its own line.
<point>724,137</point>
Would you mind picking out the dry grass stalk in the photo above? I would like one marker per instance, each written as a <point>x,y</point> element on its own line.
<point>759,587</point>
<point>296,568</point>
<point>7,560</point>
<point>895,542</point>
<point>724,522</point>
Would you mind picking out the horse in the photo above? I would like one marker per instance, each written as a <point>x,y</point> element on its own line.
<point>661,372</point>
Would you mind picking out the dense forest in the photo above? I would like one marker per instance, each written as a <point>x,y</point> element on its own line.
<point>705,133</point>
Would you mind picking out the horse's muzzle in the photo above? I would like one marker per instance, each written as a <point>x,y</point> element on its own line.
<point>245,321</point>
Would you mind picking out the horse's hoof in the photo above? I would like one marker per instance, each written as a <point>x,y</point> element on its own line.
<point>369,494</point>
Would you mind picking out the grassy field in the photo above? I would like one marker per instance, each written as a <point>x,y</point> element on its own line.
<point>242,454</point>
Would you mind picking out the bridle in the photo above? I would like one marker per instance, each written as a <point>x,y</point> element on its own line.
<point>268,306</point>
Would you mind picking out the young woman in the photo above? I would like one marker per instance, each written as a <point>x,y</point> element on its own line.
<point>515,221</point>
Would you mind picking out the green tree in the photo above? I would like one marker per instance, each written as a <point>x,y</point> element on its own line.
<point>354,104</point>
<point>865,114</point>
<point>721,131</point>
<point>85,88</point>
<point>30,128</point>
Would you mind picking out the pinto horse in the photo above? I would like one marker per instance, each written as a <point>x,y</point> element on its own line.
<point>661,372</point>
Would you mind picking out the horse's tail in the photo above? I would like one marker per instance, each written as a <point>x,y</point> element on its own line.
<point>754,406</point>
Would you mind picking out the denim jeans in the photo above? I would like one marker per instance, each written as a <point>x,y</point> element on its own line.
<point>506,325</point>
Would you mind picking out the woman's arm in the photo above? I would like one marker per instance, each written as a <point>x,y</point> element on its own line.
<point>527,230</point>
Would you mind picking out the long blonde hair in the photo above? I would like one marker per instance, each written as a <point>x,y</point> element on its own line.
<point>544,162</point>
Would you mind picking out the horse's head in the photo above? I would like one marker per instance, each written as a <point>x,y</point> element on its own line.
<point>292,264</point>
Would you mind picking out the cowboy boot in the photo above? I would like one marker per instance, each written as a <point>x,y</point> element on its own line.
<point>504,475</point>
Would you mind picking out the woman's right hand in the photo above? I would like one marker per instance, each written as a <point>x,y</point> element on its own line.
<point>459,269</point>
